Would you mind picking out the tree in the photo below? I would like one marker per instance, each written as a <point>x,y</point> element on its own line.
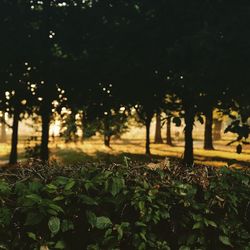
<point>3,136</point>
<point>208,134</point>
<point>158,138</point>
<point>168,131</point>
<point>206,61</point>
<point>145,115</point>
<point>106,113</point>
<point>55,57</point>
<point>16,89</point>
<point>217,129</point>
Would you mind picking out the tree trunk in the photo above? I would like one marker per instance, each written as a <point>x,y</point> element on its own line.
<point>189,121</point>
<point>158,138</point>
<point>44,154</point>
<point>148,122</point>
<point>83,124</point>
<point>3,137</point>
<point>107,135</point>
<point>217,129</point>
<point>168,134</point>
<point>208,133</point>
<point>107,140</point>
<point>14,138</point>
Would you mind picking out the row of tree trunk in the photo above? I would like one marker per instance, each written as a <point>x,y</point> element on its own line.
<point>158,137</point>
<point>210,133</point>
<point>44,149</point>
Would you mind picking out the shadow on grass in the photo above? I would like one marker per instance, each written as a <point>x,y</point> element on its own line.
<point>4,159</point>
<point>226,161</point>
<point>71,156</point>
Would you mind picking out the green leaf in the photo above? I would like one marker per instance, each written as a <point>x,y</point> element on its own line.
<point>225,240</point>
<point>4,188</point>
<point>120,232</point>
<point>34,197</point>
<point>93,247</point>
<point>3,247</point>
<point>142,246</point>
<point>141,205</point>
<point>67,225</point>
<point>61,180</point>
<point>60,245</point>
<point>91,217</point>
<point>54,225</point>
<point>211,223</point>
<point>35,186</point>
<point>184,248</point>
<point>143,235</point>
<point>51,187</point>
<point>103,222</point>
<point>197,225</point>
<point>31,235</point>
<point>59,198</point>
<point>117,185</point>
<point>108,233</point>
<point>88,200</point>
<point>56,207</point>
<point>140,224</point>
<point>5,216</point>
<point>52,212</point>
<point>69,185</point>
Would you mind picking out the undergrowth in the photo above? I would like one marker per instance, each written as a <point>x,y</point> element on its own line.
<point>124,207</point>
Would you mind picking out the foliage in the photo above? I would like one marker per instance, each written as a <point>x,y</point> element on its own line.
<point>69,127</point>
<point>124,207</point>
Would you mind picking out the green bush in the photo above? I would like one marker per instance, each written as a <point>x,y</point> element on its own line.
<point>120,207</point>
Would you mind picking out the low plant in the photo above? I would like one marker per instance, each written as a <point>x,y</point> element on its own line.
<point>121,207</point>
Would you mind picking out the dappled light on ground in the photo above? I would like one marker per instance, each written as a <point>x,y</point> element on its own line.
<point>93,149</point>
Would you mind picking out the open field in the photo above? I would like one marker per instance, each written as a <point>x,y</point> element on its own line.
<point>93,149</point>
<point>132,144</point>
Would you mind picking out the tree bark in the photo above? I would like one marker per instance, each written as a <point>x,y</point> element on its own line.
<point>158,137</point>
<point>189,121</point>
<point>147,124</point>
<point>168,134</point>
<point>3,137</point>
<point>44,153</point>
<point>107,140</point>
<point>217,129</point>
<point>83,124</point>
<point>208,133</point>
<point>14,138</point>
<point>107,135</point>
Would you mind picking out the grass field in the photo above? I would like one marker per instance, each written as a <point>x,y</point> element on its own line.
<point>93,149</point>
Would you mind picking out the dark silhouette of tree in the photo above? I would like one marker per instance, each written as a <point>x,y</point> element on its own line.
<point>3,136</point>
<point>158,137</point>
<point>217,129</point>
<point>168,131</point>
<point>16,50</point>
<point>208,132</point>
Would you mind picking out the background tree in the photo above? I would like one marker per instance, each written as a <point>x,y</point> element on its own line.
<point>158,125</point>
<point>3,136</point>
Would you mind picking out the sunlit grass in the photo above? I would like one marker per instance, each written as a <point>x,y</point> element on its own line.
<point>93,149</point>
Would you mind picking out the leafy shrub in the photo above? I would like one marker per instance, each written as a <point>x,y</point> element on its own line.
<point>121,207</point>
